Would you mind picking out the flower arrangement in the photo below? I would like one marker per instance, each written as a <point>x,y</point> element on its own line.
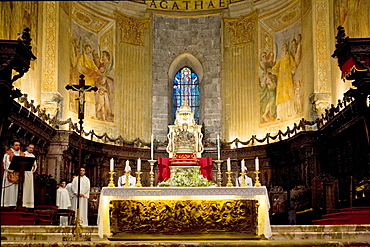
<point>190,178</point>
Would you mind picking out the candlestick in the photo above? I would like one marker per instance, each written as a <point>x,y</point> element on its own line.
<point>127,184</point>
<point>218,147</point>
<point>257,163</point>
<point>218,162</point>
<point>257,183</point>
<point>111,165</point>
<point>151,173</point>
<point>228,164</point>
<point>111,182</point>
<point>139,165</point>
<point>151,148</point>
<point>138,179</point>
<point>229,183</point>
<point>243,184</point>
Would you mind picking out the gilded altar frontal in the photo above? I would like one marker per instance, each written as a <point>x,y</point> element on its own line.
<point>183,219</point>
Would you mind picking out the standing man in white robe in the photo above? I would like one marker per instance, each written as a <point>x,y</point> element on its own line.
<point>83,197</point>
<point>28,187</point>
<point>72,196</point>
<point>9,190</point>
<point>63,201</point>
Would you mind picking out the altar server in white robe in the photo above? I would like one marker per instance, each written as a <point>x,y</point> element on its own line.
<point>131,179</point>
<point>28,187</point>
<point>83,197</point>
<point>63,201</point>
<point>9,190</point>
<point>247,180</point>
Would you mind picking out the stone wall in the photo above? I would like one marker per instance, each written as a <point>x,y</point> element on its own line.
<point>200,37</point>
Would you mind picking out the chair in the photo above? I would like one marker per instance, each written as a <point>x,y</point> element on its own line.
<point>67,213</point>
<point>47,214</point>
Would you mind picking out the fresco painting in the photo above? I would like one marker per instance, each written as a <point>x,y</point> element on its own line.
<point>280,76</point>
<point>90,58</point>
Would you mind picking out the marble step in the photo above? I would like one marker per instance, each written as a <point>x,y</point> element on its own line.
<point>321,228</point>
<point>280,232</point>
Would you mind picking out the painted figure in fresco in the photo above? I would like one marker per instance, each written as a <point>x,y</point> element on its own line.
<point>298,51</point>
<point>105,94</point>
<point>297,54</point>
<point>74,74</point>
<point>284,69</point>
<point>268,97</point>
<point>87,67</point>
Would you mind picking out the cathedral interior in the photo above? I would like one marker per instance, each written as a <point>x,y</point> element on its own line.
<point>261,78</point>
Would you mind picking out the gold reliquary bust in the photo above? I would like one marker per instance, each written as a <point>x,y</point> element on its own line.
<point>184,136</point>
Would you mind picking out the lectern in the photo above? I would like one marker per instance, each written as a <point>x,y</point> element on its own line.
<point>21,164</point>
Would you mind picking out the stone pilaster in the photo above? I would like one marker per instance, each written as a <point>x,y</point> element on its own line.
<point>321,97</point>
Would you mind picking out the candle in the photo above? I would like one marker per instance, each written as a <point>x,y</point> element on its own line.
<point>243,165</point>
<point>218,147</point>
<point>228,164</point>
<point>127,168</point>
<point>151,147</point>
<point>139,165</point>
<point>257,163</point>
<point>111,164</point>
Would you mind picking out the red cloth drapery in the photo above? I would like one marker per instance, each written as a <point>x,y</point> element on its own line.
<point>351,66</point>
<point>164,171</point>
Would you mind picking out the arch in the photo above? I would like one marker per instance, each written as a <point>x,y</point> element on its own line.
<point>188,60</point>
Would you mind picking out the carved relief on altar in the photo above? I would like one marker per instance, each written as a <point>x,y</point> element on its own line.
<point>132,29</point>
<point>186,217</point>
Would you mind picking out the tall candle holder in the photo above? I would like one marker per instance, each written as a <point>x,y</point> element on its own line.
<point>257,183</point>
<point>219,174</point>
<point>151,173</point>
<point>127,184</point>
<point>138,179</point>
<point>111,182</point>
<point>229,183</point>
<point>243,184</point>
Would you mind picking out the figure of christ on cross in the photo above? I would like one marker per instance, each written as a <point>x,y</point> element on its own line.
<point>82,89</point>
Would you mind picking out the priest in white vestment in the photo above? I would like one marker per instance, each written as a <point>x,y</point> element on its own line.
<point>28,187</point>
<point>63,201</point>
<point>247,180</point>
<point>9,190</point>
<point>83,197</point>
<point>131,179</point>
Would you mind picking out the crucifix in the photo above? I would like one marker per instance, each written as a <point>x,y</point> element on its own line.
<point>81,88</point>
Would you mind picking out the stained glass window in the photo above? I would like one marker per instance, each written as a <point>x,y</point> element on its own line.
<point>186,87</point>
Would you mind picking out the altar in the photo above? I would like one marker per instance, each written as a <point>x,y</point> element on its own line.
<point>147,213</point>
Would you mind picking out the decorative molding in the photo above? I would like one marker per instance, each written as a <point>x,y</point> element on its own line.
<point>322,58</point>
<point>284,18</point>
<point>132,29</point>
<point>87,19</point>
<point>50,52</point>
<point>242,29</point>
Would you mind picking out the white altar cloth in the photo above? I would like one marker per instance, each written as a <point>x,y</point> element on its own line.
<point>184,193</point>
